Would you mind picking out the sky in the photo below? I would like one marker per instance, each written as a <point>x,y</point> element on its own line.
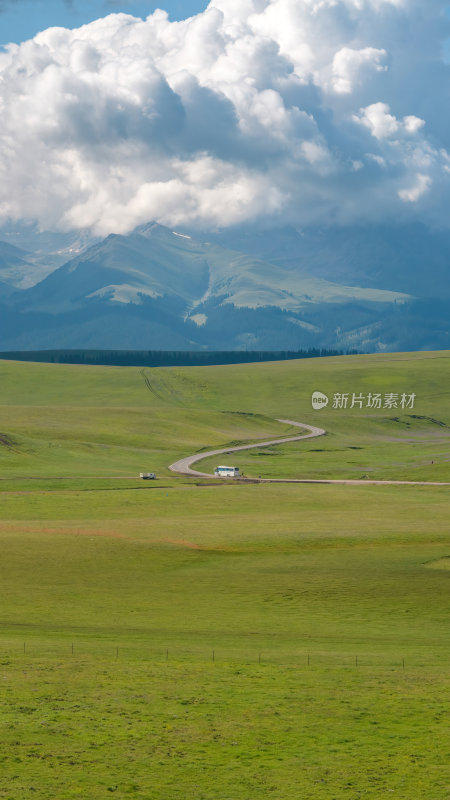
<point>269,112</point>
<point>23,19</point>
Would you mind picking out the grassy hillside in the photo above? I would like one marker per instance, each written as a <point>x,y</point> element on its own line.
<point>225,641</point>
<point>222,641</point>
<point>59,420</point>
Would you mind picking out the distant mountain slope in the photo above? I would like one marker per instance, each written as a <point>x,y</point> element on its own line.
<point>120,269</point>
<point>155,262</point>
<point>28,255</point>
<point>15,269</point>
<point>161,289</point>
<point>401,258</point>
<point>20,269</point>
<point>53,246</point>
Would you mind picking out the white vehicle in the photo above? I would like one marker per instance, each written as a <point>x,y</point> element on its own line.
<point>147,476</point>
<point>227,472</point>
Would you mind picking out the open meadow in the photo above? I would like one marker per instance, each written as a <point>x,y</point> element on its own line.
<point>59,420</point>
<point>190,638</point>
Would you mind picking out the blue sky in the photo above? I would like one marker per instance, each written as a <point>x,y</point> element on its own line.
<point>22,19</point>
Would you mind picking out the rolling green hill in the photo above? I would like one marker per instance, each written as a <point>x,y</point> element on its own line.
<point>204,639</point>
<point>109,421</point>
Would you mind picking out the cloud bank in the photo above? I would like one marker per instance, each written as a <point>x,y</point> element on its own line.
<point>298,111</point>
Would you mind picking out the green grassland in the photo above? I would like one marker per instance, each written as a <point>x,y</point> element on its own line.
<point>213,640</point>
<point>60,421</point>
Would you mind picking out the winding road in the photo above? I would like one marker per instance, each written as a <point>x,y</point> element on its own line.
<point>183,466</point>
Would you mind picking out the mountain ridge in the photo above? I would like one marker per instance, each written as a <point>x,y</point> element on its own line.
<point>156,287</point>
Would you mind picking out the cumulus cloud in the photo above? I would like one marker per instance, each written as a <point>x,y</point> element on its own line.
<point>305,111</point>
<point>383,125</point>
<point>347,66</point>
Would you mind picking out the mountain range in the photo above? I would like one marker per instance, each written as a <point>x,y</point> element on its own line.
<point>371,289</point>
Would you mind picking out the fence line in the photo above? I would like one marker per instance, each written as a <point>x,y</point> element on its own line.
<point>126,652</point>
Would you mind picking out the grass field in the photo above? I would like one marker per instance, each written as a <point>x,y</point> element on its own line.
<point>171,640</point>
<point>58,420</point>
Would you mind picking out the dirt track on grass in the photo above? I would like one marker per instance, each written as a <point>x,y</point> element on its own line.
<point>184,465</point>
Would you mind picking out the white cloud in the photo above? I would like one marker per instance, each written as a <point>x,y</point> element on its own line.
<point>415,192</point>
<point>383,125</point>
<point>348,64</point>
<point>309,110</point>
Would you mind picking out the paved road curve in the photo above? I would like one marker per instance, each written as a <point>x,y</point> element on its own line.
<point>183,466</point>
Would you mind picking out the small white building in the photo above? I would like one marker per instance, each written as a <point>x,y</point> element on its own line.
<point>227,472</point>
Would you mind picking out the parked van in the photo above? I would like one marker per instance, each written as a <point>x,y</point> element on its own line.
<point>226,472</point>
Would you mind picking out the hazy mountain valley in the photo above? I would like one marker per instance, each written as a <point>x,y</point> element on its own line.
<point>370,289</point>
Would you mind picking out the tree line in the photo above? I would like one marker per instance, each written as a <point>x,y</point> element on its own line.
<point>165,358</point>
